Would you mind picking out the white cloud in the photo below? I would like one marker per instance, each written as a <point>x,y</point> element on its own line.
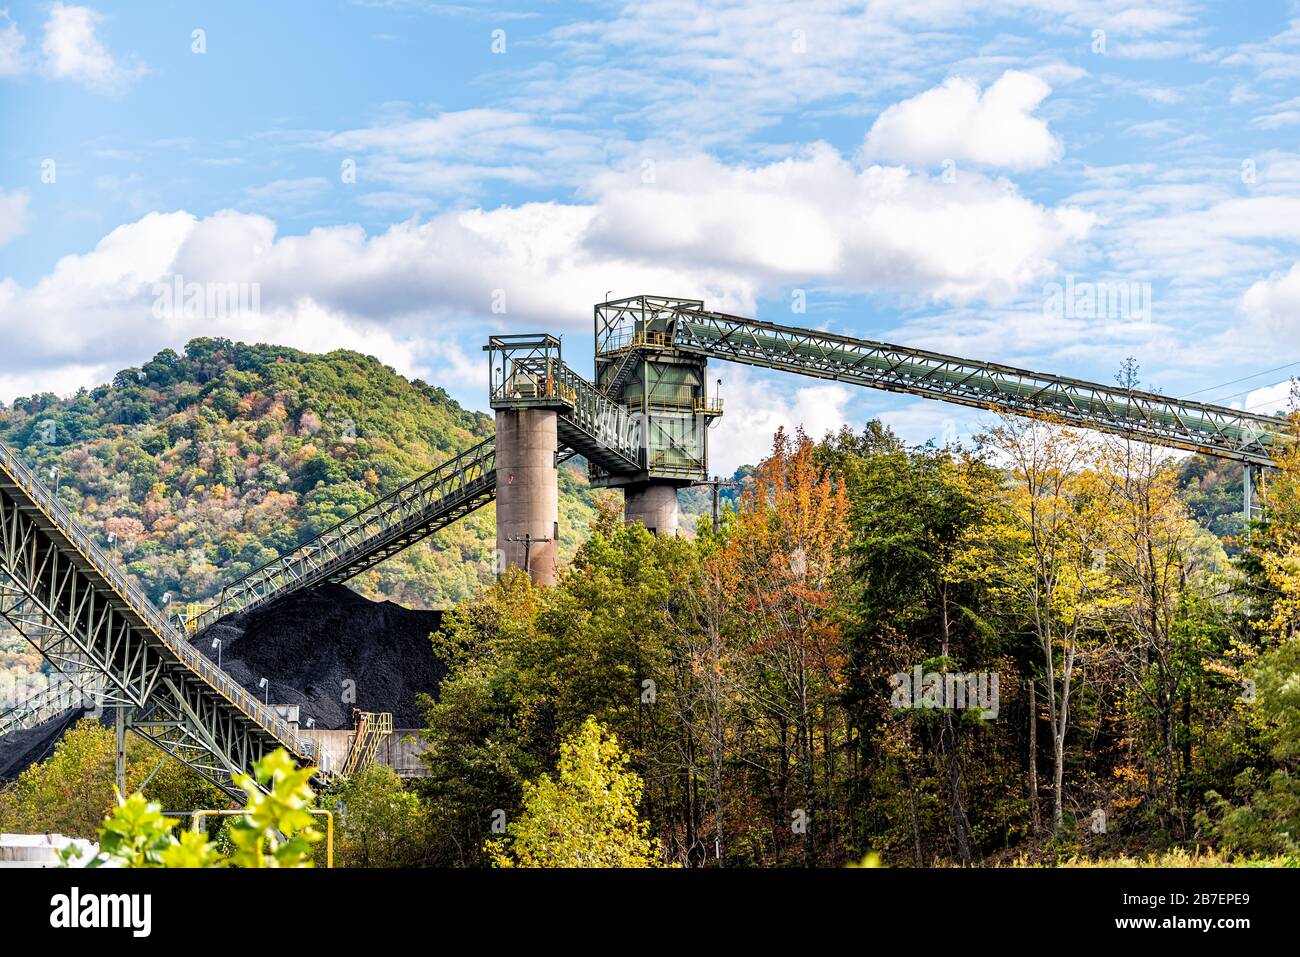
<point>817,217</point>
<point>64,380</point>
<point>13,215</point>
<point>1155,49</point>
<point>1272,398</point>
<point>1277,58</point>
<point>1274,304</point>
<point>957,122</point>
<point>73,51</point>
<point>759,403</point>
<point>396,295</point>
<point>12,60</point>
<point>706,73</point>
<point>457,150</point>
<point>727,234</point>
<point>289,191</point>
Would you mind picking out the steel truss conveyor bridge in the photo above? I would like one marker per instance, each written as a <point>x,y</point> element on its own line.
<point>66,596</point>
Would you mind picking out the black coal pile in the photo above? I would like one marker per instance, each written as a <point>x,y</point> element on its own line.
<point>18,749</point>
<point>329,650</point>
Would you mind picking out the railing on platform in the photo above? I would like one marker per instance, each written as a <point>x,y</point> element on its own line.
<point>371,730</point>
<point>528,371</point>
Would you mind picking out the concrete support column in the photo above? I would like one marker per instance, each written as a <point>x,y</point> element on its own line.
<point>654,505</point>
<point>528,507</point>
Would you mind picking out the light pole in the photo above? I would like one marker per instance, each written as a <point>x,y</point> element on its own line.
<point>265,684</point>
<point>54,476</point>
<point>216,646</point>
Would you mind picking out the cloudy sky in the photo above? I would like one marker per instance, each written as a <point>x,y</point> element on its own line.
<point>406,177</point>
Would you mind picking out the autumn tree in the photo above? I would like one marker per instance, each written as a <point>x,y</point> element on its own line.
<point>916,597</point>
<point>584,816</point>
<point>1043,549</point>
<point>1155,559</point>
<point>786,562</point>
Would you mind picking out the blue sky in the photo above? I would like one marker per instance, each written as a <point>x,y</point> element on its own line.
<point>924,172</point>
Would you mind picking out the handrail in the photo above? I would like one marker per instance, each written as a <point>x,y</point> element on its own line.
<point>372,727</point>
<point>148,613</point>
<point>387,510</point>
<point>638,339</point>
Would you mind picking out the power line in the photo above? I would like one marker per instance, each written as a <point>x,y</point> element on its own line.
<point>1242,379</point>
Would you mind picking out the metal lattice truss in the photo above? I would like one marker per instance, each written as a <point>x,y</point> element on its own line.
<point>72,688</point>
<point>382,529</point>
<point>69,601</point>
<point>628,328</point>
<point>528,372</point>
<point>631,323</point>
<point>1194,426</point>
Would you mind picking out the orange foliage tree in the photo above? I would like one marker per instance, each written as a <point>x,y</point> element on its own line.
<point>784,565</point>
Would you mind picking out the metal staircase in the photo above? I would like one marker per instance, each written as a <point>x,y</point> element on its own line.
<point>622,369</point>
<point>371,730</point>
<point>529,371</point>
<point>62,593</point>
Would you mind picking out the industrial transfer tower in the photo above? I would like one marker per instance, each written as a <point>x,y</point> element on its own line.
<point>642,426</point>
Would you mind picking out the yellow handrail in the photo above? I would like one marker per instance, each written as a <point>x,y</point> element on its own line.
<point>196,818</point>
<point>372,728</point>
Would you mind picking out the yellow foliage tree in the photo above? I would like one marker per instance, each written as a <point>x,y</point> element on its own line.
<point>585,816</point>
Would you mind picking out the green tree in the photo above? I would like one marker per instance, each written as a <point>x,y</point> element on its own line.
<point>379,823</point>
<point>586,816</point>
<point>69,792</point>
<point>275,830</point>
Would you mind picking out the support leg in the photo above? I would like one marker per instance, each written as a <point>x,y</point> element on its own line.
<point>1247,493</point>
<point>119,751</point>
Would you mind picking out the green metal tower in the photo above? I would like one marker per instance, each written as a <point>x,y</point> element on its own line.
<point>639,367</point>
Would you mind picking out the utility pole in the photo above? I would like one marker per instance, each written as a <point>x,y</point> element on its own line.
<point>716,485</point>
<point>528,540</point>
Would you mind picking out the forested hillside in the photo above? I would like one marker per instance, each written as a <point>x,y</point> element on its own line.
<point>1031,650</point>
<point>196,468</point>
